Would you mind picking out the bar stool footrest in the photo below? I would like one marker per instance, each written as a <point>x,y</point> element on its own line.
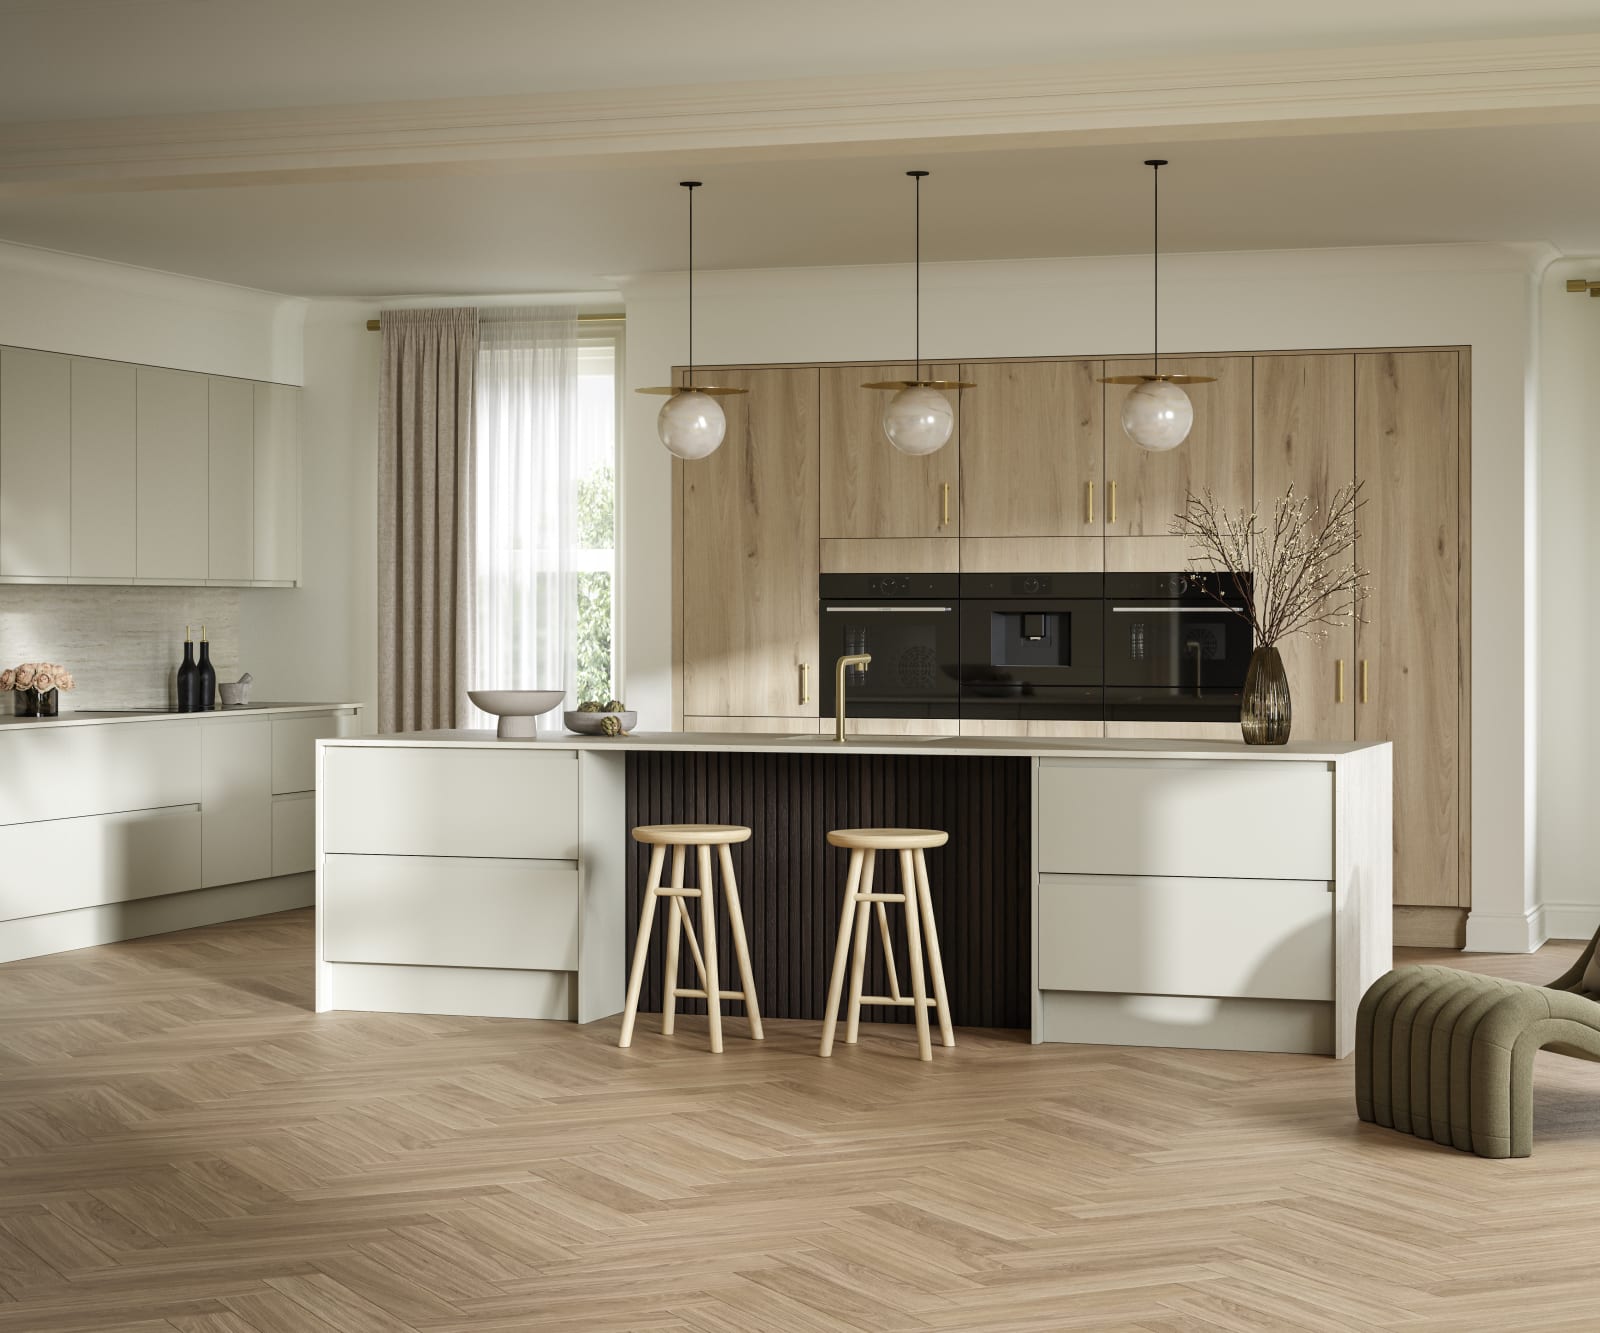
<point>892,1000</point>
<point>880,897</point>
<point>668,891</point>
<point>682,994</point>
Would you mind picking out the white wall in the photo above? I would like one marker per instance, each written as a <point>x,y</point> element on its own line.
<point>123,644</point>
<point>1569,621</point>
<point>1403,296</point>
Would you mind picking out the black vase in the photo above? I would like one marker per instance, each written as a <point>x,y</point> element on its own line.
<point>1265,713</point>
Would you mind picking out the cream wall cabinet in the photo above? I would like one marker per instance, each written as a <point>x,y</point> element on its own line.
<point>35,464</point>
<point>117,473</point>
<point>104,475</point>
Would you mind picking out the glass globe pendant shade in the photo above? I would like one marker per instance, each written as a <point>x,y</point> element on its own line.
<point>918,420</point>
<point>1157,415</point>
<point>691,424</point>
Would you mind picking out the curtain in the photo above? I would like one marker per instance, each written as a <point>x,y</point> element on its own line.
<point>425,414</point>
<point>524,622</point>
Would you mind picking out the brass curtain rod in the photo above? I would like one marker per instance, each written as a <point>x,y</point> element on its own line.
<point>374,325</point>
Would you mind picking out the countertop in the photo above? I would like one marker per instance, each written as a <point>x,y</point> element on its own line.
<point>93,717</point>
<point>779,743</point>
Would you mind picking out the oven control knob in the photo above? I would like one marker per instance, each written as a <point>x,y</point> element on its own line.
<point>1031,584</point>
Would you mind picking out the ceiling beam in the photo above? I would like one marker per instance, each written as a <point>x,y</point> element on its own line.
<point>1519,81</point>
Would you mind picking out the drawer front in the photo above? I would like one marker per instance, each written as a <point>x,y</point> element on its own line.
<point>1257,939</point>
<point>294,748</point>
<point>1233,819</point>
<point>294,833</point>
<point>450,912</point>
<point>63,864</point>
<point>393,800</point>
<point>98,770</point>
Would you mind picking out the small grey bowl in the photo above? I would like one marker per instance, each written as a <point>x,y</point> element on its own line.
<point>235,694</point>
<point>588,724</point>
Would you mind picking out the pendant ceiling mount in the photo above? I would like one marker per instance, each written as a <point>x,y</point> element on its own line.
<point>691,423</point>
<point>919,419</point>
<point>1158,414</point>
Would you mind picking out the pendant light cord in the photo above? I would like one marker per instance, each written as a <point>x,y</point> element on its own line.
<point>690,186</point>
<point>917,263</point>
<point>1155,164</point>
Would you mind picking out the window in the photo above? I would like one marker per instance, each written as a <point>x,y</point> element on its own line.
<point>544,506</point>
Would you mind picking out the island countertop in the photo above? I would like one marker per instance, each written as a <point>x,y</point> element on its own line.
<point>1330,752</point>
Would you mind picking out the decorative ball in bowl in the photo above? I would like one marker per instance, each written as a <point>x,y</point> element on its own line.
<point>597,719</point>
<point>518,710</point>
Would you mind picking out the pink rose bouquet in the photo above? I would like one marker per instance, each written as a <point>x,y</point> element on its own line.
<point>39,676</point>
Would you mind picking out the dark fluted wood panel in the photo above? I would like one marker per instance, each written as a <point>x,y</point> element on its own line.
<point>792,883</point>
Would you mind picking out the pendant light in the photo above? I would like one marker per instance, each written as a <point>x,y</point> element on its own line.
<point>919,418</point>
<point>691,423</point>
<point>1157,414</point>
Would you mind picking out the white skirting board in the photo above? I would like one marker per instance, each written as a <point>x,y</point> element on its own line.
<point>1194,1022</point>
<point>29,937</point>
<point>482,992</point>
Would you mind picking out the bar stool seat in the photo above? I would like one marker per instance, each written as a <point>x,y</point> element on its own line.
<point>680,838</point>
<point>860,903</point>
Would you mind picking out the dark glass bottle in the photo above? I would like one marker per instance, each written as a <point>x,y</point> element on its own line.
<point>205,676</point>
<point>187,684</point>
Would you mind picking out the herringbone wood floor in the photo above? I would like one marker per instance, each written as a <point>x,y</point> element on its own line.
<point>185,1147</point>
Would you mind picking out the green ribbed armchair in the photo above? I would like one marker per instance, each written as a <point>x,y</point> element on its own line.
<point>1448,1055</point>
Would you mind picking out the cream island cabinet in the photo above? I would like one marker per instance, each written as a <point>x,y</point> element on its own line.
<point>116,825</point>
<point>1135,892</point>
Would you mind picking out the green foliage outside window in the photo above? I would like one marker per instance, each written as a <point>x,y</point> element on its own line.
<point>597,530</point>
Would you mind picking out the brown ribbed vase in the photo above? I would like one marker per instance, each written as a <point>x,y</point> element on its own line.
<point>1265,712</point>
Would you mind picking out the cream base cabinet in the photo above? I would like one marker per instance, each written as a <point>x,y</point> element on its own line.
<point>173,490</point>
<point>35,467</point>
<point>751,555</point>
<point>237,800</point>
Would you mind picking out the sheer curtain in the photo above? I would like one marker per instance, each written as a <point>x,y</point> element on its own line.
<point>523,625</point>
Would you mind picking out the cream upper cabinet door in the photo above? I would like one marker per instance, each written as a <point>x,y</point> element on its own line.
<point>173,486</point>
<point>35,463</point>
<point>750,554</point>
<point>230,437</point>
<point>1145,490</point>
<point>1032,445</point>
<point>277,483</point>
<point>1407,679</point>
<point>870,488</point>
<point>1305,436</point>
<point>103,469</point>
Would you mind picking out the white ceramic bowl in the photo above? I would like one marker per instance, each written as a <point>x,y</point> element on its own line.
<point>589,724</point>
<point>518,710</point>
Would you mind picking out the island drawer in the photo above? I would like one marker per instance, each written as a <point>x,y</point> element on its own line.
<point>448,911</point>
<point>1259,939</point>
<point>1231,819</point>
<point>422,801</point>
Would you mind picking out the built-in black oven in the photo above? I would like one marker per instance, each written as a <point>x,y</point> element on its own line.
<point>1032,646</point>
<point>1176,647</point>
<point>910,624</point>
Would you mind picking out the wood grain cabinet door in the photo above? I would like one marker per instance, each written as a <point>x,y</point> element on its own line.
<point>1032,446</point>
<point>751,554</point>
<point>1408,662</point>
<point>870,488</point>
<point>1305,436</point>
<point>1145,490</point>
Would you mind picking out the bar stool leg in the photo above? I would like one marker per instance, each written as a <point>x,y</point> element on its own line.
<point>741,946</point>
<point>641,945</point>
<point>841,948</point>
<point>914,940</point>
<point>669,982</point>
<point>708,948</point>
<point>930,934</point>
<point>858,962</point>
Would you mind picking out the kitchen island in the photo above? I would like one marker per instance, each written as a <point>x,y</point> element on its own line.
<point>1139,892</point>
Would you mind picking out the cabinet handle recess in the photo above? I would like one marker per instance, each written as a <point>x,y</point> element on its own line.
<point>1111,505</point>
<point>1363,680</point>
<point>1338,681</point>
<point>805,682</point>
<point>944,510</point>
<point>1088,494</point>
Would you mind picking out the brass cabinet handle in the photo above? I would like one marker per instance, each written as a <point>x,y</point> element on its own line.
<point>1088,494</point>
<point>1338,681</point>
<point>1363,680</point>
<point>944,520</point>
<point>1111,505</point>
<point>805,682</point>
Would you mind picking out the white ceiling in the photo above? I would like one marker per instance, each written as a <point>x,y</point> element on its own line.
<point>559,229</point>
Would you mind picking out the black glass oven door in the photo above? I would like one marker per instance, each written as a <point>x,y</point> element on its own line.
<point>1165,659</point>
<point>915,650</point>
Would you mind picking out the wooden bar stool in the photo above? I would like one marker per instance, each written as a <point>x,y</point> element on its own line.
<point>681,837</point>
<point>859,903</point>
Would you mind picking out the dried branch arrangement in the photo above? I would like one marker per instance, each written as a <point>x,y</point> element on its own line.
<point>1301,562</point>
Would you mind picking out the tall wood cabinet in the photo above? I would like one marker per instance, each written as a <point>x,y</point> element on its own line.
<point>751,554</point>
